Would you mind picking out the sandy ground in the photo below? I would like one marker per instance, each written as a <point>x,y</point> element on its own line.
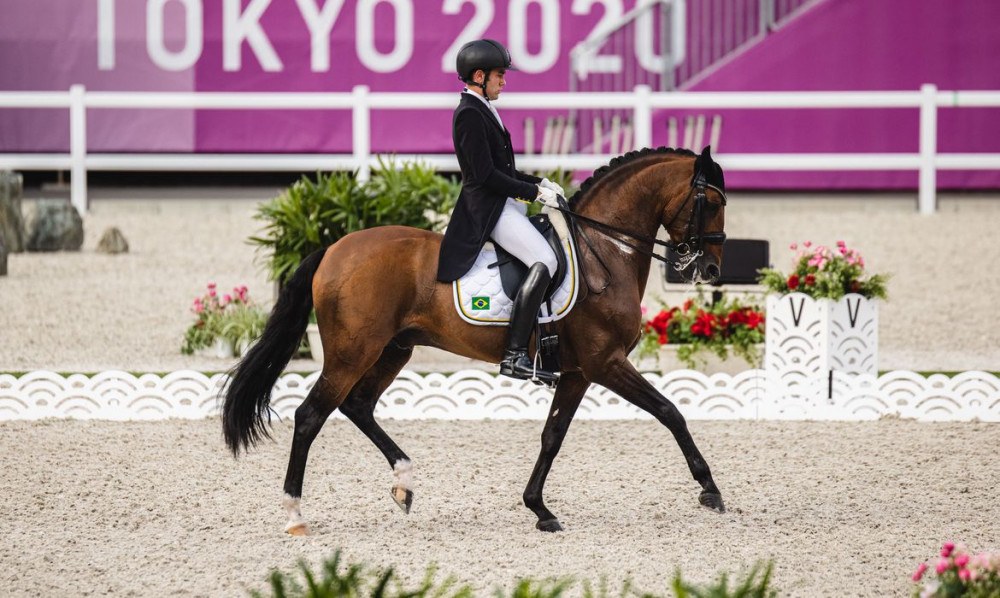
<point>160,509</point>
<point>88,312</point>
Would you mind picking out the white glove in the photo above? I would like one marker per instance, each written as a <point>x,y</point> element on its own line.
<point>554,186</point>
<point>547,197</point>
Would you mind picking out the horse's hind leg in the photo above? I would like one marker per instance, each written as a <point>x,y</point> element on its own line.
<point>360,409</point>
<point>623,379</point>
<point>309,419</point>
<point>331,389</point>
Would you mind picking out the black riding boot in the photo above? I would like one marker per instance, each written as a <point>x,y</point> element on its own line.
<point>516,362</point>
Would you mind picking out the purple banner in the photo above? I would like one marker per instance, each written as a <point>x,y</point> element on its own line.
<point>409,45</point>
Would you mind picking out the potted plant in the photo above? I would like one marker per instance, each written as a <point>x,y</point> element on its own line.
<point>312,336</point>
<point>823,315</point>
<point>704,335</point>
<point>223,323</point>
<point>312,214</point>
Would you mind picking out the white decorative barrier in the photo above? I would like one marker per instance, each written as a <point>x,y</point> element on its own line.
<point>810,340</point>
<point>474,394</point>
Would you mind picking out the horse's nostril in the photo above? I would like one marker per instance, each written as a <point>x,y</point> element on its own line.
<point>713,271</point>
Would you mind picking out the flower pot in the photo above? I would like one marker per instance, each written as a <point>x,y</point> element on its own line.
<point>315,342</point>
<point>220,348</point>
<point>706,362</point>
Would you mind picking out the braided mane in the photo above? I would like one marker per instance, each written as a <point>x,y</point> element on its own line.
<point>620,161</point>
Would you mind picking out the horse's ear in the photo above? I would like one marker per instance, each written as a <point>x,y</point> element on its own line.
<point>707,166</point>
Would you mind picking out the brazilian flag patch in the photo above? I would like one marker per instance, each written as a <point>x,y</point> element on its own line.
<point>480,303</point>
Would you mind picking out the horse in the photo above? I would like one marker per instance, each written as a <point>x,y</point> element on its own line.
<point>376,297</point>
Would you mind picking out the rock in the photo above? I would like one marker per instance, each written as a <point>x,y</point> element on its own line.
<point>3,256</point>
<point>54,225</point>
<point>11,221</point>
<point>112,241</point>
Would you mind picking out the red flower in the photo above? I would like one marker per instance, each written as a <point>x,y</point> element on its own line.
<point>704,324</point>
<point>687,305</point>
<point>855,286</point>
<point>793,282</point>
<point>754,319</point>
<point>661,321</point>
<point>810,280</point>
<point>664,339</point>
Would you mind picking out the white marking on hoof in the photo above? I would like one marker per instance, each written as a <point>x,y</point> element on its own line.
<point>296,524</point>
<point>403,470</point>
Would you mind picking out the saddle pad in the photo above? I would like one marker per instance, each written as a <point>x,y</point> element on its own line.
<point>479,295</point>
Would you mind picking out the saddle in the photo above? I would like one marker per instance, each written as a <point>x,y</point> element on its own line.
<point>513,271</point>
<point>485,294</point>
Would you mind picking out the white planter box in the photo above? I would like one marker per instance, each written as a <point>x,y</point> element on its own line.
<point>220,348</point>
<point>707,362</point>
<point>315,343</point>
<point>809,339</point>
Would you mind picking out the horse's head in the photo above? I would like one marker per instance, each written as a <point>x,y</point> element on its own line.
<point>695,218</point>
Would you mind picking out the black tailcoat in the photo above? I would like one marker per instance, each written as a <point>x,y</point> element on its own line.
<point>486,158</point>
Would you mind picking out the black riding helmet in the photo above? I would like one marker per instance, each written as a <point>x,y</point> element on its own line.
<point>485,54</point>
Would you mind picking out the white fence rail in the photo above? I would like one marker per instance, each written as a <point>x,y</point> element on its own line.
<point>473,394</point>
<point>642,101</point>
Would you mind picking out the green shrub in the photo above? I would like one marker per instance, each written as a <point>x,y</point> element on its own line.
<point>354,580</point>
<point>751,587</point>
<point>311,215</point>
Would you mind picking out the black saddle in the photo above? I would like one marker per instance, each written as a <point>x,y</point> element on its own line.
<point>512,271</point>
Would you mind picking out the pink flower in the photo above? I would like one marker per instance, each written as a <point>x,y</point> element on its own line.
<point>841,244</point>
<point>212,293</point>
<point>807,243</point>
<point>919,573</point>
<point>942,566</point>
<point>643,309</point>
<point>211,285</point>
<point>843,251</point>
<point>793,246</point>
<point>226,299</point>
<point>961,560</point>
<point>947,548</point>
<point>964,574</point>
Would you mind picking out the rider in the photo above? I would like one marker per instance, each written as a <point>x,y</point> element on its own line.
<point>494,198</point>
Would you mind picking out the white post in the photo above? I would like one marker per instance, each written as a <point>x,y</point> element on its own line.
<point>78,148</point>
<point>642,119</point>
<point>361,127</point>
<point>927,194</point>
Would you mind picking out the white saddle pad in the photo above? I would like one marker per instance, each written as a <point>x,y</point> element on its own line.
<point>479,296</point>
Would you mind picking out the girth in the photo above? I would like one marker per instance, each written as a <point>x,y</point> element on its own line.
<point>512,271</point>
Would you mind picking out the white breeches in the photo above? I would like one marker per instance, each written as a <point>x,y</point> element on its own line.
<point>514,233</point>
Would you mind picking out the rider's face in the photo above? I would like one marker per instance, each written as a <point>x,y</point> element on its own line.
<point>494,85</point>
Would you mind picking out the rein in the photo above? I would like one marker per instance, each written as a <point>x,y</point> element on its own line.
<point>687,250</point>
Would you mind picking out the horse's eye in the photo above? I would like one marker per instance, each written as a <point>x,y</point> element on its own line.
<point>712,208</point>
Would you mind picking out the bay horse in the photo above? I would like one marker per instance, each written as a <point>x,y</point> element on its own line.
<point>376,297</point>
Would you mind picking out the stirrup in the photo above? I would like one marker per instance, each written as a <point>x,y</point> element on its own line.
<point>515,366</point>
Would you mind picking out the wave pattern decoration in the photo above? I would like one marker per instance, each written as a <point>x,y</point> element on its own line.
<point>474,394</point>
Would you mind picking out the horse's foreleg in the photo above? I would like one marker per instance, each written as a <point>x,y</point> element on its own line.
<point>569,393</point>
<point>360,409</point>
<point>623,379</point>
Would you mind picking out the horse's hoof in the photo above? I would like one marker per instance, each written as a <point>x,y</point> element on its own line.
<point>549,525</point>
<point>299,529</point>
<point>712,501</point>
<point>403,498</point>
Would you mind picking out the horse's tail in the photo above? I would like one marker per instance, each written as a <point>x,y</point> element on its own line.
<point>248,395</point>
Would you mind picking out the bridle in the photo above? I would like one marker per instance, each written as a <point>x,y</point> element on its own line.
<point>695,237</point>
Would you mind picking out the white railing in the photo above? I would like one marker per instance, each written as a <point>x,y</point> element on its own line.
<point>642,101</point>
<point>473,394</point>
